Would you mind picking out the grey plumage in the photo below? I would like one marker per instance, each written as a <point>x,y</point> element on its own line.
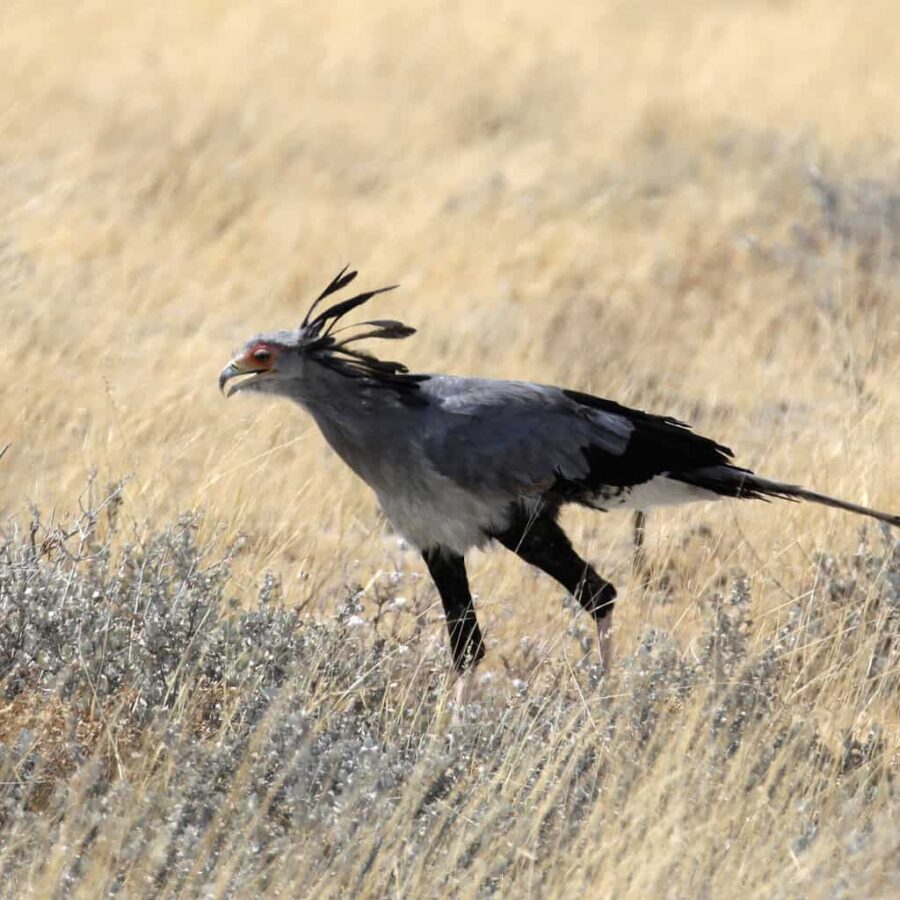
<point>456,462</point>
<point>510,437</point>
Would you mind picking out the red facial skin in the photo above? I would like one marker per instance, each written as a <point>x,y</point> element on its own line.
<point>260,358</point>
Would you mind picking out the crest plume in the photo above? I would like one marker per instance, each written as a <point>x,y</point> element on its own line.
<point>338,283</point>
<point>322,339</point>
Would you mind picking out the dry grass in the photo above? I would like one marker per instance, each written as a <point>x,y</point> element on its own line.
<point>616,197</point>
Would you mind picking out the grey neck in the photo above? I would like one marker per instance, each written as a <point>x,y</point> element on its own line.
<point>359,420</point>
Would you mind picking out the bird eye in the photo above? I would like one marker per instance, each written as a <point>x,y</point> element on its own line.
<point>262,355</point>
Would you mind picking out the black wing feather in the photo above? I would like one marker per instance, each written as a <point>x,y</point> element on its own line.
<point>658,445</point>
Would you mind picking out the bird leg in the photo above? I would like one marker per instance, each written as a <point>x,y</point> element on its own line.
<point>605,641</point>
<point>540,541</point>
<point>639,561</point>
<point>448,571</point>
<point>463,688</point>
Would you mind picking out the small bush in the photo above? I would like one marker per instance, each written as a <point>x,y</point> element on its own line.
<point>160,737</point>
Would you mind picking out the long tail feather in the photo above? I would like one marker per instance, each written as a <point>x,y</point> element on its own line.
<point>764,485</point>
<point>731,481</point>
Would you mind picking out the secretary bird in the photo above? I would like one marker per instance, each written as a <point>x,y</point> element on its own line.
<point>458,462</point>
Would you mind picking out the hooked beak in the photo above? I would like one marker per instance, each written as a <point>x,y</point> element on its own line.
<point>233,370</point>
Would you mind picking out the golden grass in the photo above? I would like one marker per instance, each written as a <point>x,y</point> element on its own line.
<point>565,194</point>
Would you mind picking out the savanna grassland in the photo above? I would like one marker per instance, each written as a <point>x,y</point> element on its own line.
<point>221,675</point>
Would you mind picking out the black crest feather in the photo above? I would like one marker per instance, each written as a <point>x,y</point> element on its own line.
<point>323,343</point>
<point>335,313</point>
<point>338,283</point>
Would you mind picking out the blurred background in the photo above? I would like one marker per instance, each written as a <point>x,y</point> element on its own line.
<point>691,208</point>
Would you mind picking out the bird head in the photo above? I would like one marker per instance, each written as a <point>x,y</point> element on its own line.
<point>279,362</point>
<point>265,363</point>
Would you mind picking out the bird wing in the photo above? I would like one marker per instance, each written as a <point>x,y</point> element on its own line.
<point>512,438</point>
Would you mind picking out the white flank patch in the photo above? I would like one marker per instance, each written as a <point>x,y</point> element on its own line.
<point>658,491</point>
